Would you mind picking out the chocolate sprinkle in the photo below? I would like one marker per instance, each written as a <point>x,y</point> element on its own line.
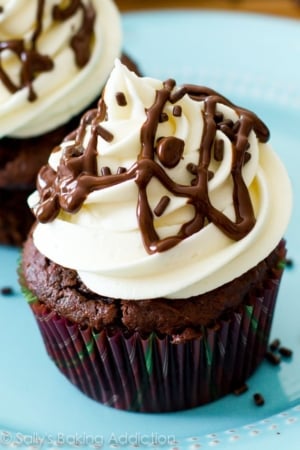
<point>219,150</point>
<point>218,117</point>
<point>192,168</point>
<point>273,358</point>
<point>162,205</point>
<point>227,130</point>
<point>163,117</point>
<point>7,290</point>
<point>286,352</point>
<point>247,157</point>
<point>177,111</point>
<point>105,171</point>
<point>227,123</point>
<point>169,151</point>
<point>275,345</point>
<point>258,399</point>
<point>121,99</point>
<point>210,175</point>
<point>105,134</point>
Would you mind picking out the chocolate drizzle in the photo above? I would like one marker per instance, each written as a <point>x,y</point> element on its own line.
<point>81,40</point>
<point>32,62</point>
<point>77,174</point>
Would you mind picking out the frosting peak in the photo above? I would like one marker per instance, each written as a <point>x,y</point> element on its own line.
<point>169,183</point>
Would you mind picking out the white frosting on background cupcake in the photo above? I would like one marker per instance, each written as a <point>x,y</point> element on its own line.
<point>65,89</point>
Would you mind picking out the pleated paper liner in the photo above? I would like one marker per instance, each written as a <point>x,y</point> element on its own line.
<point>154,374</point>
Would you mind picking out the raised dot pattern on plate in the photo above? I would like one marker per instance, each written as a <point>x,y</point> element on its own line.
<point>273,425</point>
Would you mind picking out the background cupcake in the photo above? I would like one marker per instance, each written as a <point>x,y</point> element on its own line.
<point>155,263</point>
<point>54,59</point>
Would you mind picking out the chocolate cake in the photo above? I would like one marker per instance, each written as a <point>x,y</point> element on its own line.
<point>61,290</point>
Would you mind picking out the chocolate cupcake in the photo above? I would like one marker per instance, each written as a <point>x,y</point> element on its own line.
<point>55,60</point>
<point>154,265</point>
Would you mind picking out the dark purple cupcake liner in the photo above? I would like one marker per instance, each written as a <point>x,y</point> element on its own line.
<point>154,374</point>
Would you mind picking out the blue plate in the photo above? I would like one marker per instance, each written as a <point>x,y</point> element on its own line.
<point>254,60</point>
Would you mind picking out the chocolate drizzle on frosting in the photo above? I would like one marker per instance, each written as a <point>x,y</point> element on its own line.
<point>32,62</point>
<point>77,174</point>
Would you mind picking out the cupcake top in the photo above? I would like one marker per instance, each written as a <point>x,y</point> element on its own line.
<point>163,191</point>
<point>55,57</point>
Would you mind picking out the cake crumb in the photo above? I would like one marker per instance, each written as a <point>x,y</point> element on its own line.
<point>6,290</point>
<point>258,399</point>
<point>241,389</point>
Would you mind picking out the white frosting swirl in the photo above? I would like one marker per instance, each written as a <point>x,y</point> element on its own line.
<point>67,89</point>
<point>103,242</point>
